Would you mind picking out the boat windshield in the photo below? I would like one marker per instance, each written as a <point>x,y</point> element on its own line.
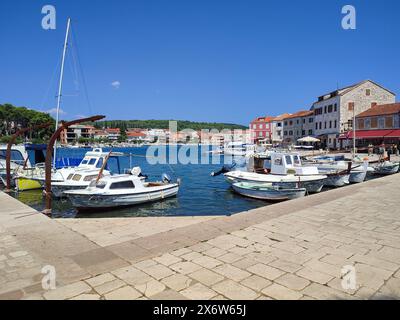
<point>16,156</point>
<point>100,184</point>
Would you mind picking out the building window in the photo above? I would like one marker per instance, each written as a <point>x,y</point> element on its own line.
<point>278,133</point>
<point>303,132</point>
<point>350,123</point>
<point>368,92</point>
<point>325,125</point>
<point>260,134</point>
<point>285,133</point>
<point>290,132</point>
<point>285,123</point>
<point>325,109</point>
<point>260,126</point>
<point>320,125</point>
<point>351,106</point>
<point>360,124</point>
<point>310,132</point>
<point>297,121</point>
<point>335,107</point>
<point>330,124</point>
<point>335,123</point>
<point>279,124</point>
<point>310,120</point>
<point>254,126</point>
<point>374,123</point>
<point>381,123</point>
<point>330,108</point>
<point>389,122</point>
<point>316,126</point>
<point>290,122</point>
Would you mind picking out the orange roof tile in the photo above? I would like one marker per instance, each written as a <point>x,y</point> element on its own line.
<point>383,109</point>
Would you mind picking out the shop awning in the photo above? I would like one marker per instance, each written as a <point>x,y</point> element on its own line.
<point>370,134</point>
<point>393,134</point>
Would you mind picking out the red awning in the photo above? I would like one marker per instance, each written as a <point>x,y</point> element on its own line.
<point>370,134</point>
<point>393,134</point>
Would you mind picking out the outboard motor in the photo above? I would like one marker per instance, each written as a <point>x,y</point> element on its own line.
<point>136,171</point>
<point>224,169</point>
<point>165,178</point>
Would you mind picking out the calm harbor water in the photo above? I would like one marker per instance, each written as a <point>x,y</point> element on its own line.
<point>199,194</point>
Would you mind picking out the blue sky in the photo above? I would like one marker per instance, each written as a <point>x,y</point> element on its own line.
<point>201,60</point>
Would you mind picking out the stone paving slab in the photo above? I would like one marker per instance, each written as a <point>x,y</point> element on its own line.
<point>301,249</point>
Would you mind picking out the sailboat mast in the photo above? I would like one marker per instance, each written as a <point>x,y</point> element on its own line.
<point>60,85</point>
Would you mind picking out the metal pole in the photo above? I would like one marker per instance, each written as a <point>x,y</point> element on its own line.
<point>60,85</point>
<point>354,131</point>
<point>50,146</point>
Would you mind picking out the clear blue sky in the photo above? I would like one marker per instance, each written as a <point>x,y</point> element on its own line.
<point>201,60</point>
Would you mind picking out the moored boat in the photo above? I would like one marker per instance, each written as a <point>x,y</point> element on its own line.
<point>386,168</point>
<point>117,191</point>
<point>267,191</point>
<point>284,169</point>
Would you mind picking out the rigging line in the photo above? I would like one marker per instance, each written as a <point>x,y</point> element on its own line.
<point>46,95</point>
<point>73,34</point>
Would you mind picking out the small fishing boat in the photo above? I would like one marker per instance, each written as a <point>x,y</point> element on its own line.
<point>386,168</point>
<point>117,191</point>
<point>81,179</point>
<point>283,169</point>
<point>267,191</point>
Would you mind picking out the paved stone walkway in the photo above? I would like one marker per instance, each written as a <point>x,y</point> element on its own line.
<point>292,250</point>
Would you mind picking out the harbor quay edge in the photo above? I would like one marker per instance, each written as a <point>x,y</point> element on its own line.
<point>341,244</point>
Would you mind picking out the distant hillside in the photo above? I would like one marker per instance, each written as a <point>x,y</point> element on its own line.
<point>164,124</point>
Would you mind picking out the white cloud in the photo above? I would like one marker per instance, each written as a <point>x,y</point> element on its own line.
<point>54,111</point>
<point>116,84</point>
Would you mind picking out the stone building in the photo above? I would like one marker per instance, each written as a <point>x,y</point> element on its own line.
<point>377,125</point>
<point>298,125</point>
<point>334,112</point>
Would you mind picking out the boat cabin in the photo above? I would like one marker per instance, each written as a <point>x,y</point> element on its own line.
<point>95,159</point>
<point>280,164</point>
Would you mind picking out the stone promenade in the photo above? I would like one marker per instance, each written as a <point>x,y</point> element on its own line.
<point>301,249</point>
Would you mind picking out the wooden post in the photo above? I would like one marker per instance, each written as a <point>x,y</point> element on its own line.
<point>53,139</point>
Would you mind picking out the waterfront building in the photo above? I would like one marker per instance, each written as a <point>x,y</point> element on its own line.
<point>113,133</point>
<point>135,136</point>
<point>277,128</point>
<point>73,133</point>
<point>100,134</point>
<point>334,111</point>
<point>298,125</point>
<point>261,129</point>
<point>379,124</point>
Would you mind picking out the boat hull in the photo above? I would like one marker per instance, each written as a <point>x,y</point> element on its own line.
<point>357,177</point>
<point>271,194</point>
<point>337,180</point>
<point>24,184</point>
<point>92,202</point>
<point>58,190</point>
<point>312,186</point>
<point>386,170</point>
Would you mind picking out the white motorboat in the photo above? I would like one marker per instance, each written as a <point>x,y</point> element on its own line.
<point>19,157</point>
<point>121,191</point>
<point>267,191</point>
<point>284,169</point>
<point>338,168</point>
<point>92,161</point>
<point>81,179</point>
